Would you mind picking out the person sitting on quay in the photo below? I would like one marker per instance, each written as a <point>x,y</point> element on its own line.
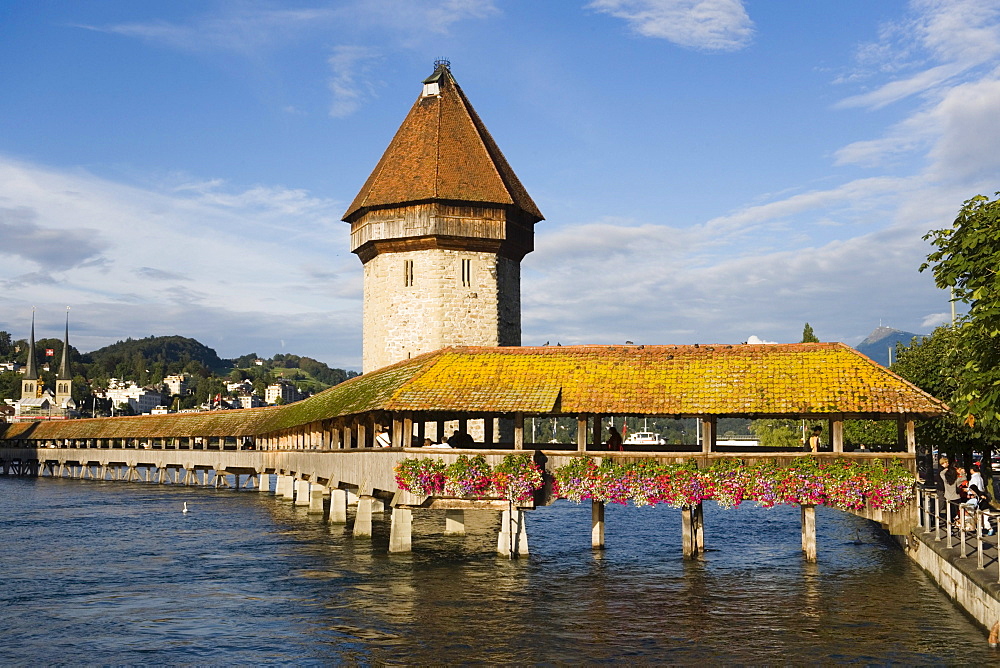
<point>977,500</point>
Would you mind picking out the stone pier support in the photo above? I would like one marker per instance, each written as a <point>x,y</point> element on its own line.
<point>301,493</point>
<point>263,482</point>
<point>454,522</point>
<point>338,506</point>
<point>316,494</point>
<point>597,524</point>
<point>363,518</point>
<point>285,486</point>
<point>809,532</point>
<point>401,531</point>
<point>513,538</point>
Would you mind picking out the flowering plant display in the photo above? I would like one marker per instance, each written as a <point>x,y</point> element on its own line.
<point>424,476</point>
<point>844,484</point>
<point>515,478</point>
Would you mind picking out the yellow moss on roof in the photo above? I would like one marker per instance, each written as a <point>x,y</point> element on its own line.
<point>716,380</point>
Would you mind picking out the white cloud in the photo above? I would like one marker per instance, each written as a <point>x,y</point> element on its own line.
<point>941,40</point>
<point>753,339</point>
<point>239,29</point>
<point>935,320</point>
<point>230,268</point>
<point>351,84</point>
<point>712,25</point>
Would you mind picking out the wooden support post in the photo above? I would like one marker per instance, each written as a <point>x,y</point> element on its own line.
<point>708,434</point>
<point>408,431</point>
<point>698,519</point>
<point>598,436</point>
<point>907,435</point>
<point>488,431</point>
<point>597,524</point>
<point>421,432</point>
<point>454,522</point>
<point>439,431</point>
<point>399,439</point>
<point>346,442</point>
<point>581,433</point>
<point>837,434</point>
<point>363,435</point>
<point>688,547</point>
<point>809,532</point>
<point>401,530</point>
<point>463,426</point>
<point>519,431</point>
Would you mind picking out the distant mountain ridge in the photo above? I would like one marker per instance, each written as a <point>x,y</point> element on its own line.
<point>883,339</point>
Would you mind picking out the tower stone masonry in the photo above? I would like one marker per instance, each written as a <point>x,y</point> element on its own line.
<point>441,226</point>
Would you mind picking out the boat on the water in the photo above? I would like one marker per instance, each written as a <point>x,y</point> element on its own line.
<point>644,438</point>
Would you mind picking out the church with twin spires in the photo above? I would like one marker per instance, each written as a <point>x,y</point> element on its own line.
<point>38,402</point>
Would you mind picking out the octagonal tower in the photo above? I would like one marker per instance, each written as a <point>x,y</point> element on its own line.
<point>441,226</point>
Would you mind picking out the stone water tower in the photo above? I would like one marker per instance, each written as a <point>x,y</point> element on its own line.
<point>441,226</point>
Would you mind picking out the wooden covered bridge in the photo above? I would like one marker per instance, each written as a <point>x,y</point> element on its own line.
<point>324,447</point>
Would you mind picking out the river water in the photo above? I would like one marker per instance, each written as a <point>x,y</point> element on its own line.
<point>114,573</point>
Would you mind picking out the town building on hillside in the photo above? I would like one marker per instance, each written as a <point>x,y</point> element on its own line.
<point>284,390</point>
<point>441,226</point>
<point>249,401</point>
<point>141,400</point>
<point>177,384</point>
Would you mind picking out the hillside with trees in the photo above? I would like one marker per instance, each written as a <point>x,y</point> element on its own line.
<point>147,362</point>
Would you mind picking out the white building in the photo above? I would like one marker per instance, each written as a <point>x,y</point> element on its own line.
<point>249,401</point>
<point>177,384</point>
<point>141,399</point>
<point>284,390</point>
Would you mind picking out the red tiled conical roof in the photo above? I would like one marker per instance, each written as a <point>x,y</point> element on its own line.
<point>442,151</point>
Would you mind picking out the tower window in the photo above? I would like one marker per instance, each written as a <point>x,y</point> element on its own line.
<point>407,273</point>
<point>466,273</point>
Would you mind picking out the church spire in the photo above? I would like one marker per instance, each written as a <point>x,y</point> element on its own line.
<point>31,373</point>
<point>65,373</point>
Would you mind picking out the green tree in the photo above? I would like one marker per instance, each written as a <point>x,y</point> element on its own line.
<point>934,364</point>
<point>966,261</point>
<point>777,433</point>
<point>808,336</point>
<point>10,385</point>
<point>6,346</point>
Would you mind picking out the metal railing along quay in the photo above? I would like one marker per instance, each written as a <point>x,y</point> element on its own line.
<point>956,522</point>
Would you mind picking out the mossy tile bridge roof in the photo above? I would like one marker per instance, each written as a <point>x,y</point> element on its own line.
<point>792,380</point>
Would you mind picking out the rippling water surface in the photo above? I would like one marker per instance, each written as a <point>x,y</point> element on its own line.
<point>114,573</point>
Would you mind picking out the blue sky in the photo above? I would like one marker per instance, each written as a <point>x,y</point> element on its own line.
<point>709,170</point>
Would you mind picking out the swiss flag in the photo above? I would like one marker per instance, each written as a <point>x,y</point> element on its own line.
<point>50,352</point>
